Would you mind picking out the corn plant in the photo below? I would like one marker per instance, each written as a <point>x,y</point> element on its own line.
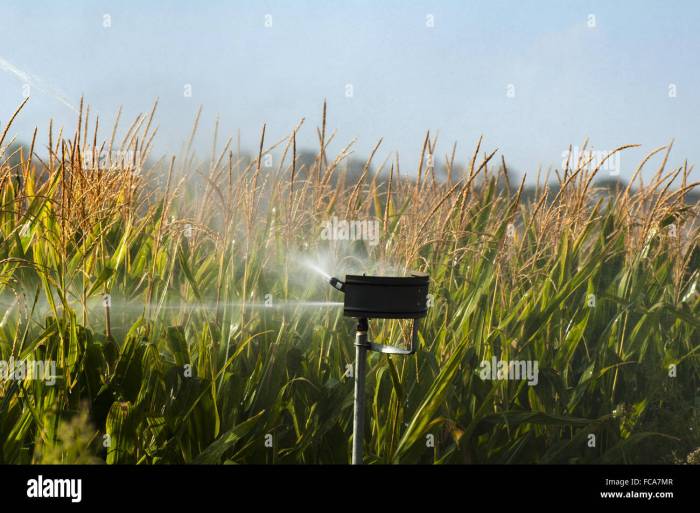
<point>170,297</point>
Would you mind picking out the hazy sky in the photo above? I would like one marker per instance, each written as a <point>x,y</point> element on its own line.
<point>606,70</point>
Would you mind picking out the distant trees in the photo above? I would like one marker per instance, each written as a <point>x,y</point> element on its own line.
<point>13,154</point>
<point>351,169</point>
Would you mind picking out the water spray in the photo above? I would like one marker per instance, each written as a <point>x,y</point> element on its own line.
<point>378,297</point>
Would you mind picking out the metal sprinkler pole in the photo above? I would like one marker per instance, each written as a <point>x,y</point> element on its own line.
<point>378,297</point>
<point>358,424</point>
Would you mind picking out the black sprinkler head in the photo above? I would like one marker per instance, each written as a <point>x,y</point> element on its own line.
<point>385,297</point>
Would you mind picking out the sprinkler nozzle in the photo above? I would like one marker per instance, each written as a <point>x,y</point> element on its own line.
<point>337,284</point>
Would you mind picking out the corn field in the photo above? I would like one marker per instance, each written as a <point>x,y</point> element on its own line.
<point>172,298</point>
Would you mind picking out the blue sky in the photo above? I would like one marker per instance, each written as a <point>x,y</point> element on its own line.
<point>609,82</point>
